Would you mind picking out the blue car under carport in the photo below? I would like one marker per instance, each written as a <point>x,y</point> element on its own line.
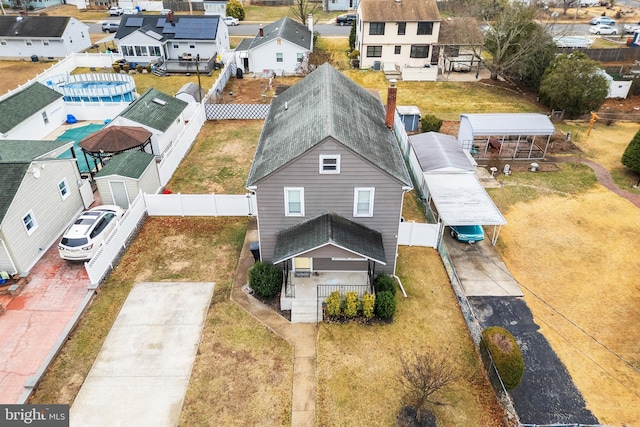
<point>467,233</point>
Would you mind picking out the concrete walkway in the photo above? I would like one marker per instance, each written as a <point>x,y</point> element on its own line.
<point>301,336</point>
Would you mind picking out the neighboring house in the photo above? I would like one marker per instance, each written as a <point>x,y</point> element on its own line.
<point>159,113</point>
<point>329,179</point>
<point>281,46</point>
<point>125,175</point>
<point>40,4</point>
<point>398,36</point>
<point>334,5</point>
<point>459,44</point>
<point>175,41</point>
<point>42,36</point>
<point>39,196</point>
<point>31,113</point>
<point>215,7</point>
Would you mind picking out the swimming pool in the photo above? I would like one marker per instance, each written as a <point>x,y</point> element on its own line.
<point>95,87</point>
<point>78,134</point>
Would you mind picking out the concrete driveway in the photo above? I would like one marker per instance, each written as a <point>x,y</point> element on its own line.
<point>141,374</point>
<point>480,268</point>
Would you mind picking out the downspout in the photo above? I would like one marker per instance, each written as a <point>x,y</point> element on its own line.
<point>395,263</point>
<point>4,246</point>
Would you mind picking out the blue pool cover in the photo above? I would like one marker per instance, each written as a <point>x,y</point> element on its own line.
<point>77,135</point>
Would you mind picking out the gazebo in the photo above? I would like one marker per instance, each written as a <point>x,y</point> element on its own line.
<point>106,143</point>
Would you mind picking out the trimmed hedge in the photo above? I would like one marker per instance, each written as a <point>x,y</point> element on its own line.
<point>265,279</point>
<point>385,283</point>
<point>368,305</point>
<point>431,123</point>
<point>351,304</point>
<point>506,354</point>
<point>334,304</point>
<point>385,304</point>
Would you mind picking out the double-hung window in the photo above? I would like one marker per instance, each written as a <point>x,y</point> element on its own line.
<point>279,57</point>
<point>63,188</point>
<point>294,201</point>
<point>425,28</point>
<point>402,28</point>
<point>29,223</point>
<point>363,201</point>
<point>419,51</point>
<point>374,51</point>
<point>376,29</point>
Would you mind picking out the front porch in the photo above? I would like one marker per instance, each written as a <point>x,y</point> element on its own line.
<point>304,296</point>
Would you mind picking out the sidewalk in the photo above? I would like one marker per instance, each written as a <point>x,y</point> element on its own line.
<point>301,336</point>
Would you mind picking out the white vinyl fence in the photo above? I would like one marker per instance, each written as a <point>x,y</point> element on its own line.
<point>103,260</point>
<point>418,234</point>
<point>201,204</point>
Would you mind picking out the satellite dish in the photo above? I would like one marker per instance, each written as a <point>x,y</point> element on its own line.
<point>36,172</point>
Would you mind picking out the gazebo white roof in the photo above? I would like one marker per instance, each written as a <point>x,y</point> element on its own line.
<point>510,124</point>
<point>438,152</point>
<point>460,199</point>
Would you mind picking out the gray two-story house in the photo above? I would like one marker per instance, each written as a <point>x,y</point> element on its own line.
<point>329,180</point>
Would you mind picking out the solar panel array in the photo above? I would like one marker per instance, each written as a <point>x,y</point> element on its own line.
<point>134,22</point>
<point>188,28</point>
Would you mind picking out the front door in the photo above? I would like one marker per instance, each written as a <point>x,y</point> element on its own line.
<point>302,267</point>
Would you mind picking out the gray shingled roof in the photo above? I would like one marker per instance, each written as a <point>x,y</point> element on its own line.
<point>131,164</point>
<point>148,112</point>
<point>399,11</point>
<point>12,150</point>
<point>24,104</point>
<point>285,29</point>
<point>182,27</point>
<point>326,104</point>
<point>33,26</point>
<point>12,175</point>
<point>329,229</point>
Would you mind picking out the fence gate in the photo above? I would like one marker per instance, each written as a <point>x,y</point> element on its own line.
<point>86,193</point>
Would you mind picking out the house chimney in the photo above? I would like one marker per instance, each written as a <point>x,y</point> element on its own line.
<point>310,22</point>
<point>170,16</point>
<point>391,104</point>
<point>261,32</point>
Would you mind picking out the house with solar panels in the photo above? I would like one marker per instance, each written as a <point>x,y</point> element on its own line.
<point>173,43</point>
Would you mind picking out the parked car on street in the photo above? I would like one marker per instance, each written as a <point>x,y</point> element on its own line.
<point>346,19</point>
<point>110,26</point>
<point>165,12</point>
<point>231,21</point>
<point>86,235</point>
<point>603,29</point>
<point>467,233</point>
<point>631,28</point>
<point>115,11</point>
<point>130,11</point>
<point>604,20</point>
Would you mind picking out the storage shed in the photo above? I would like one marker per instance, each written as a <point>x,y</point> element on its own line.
<point>410,116</point>
<point>506,136</point>
<point>125,175</point>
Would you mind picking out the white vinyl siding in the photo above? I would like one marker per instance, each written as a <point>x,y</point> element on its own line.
<point>330,164</point>
<point>363,201</point>
<point>294,201</point>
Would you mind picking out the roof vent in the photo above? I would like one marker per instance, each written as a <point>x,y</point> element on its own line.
<point>159,101</point>
<point>19,18</point>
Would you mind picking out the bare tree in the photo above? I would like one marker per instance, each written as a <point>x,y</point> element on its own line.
<point>512,38</point>
<point>423,375</point>
<point>300,9</point>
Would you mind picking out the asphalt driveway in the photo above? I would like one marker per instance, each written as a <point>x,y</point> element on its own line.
<point>546,394</point>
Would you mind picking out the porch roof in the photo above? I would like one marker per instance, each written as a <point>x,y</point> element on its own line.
<point>329,229</point>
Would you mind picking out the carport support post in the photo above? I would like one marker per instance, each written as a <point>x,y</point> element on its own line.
<point>496,232</point>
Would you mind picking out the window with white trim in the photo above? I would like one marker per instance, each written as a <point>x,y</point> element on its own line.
<point>299,57</point>
<point>330,163</point>
<point>279,57</point>
<point>363,201</point>
<point>294,201</point>
<point>46,43</point>
<point>29,223</point>
<point>45,118</point>
<point>28,43</point>
<point>3,42</point>
<point>63,188</point>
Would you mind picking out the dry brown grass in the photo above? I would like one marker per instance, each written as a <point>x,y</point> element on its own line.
<point>16,73</point>
<point>358,364</point>
<point>576,259</point>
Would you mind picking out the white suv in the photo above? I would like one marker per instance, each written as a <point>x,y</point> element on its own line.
<point>86,235</point>
<point>115,11</point>
<point>130,11</point>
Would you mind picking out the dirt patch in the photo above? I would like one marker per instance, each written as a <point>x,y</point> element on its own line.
<point>254,89</point>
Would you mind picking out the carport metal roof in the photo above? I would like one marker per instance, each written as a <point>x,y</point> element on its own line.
<point>510,124</point>
<point>438,152</point>
<point>460,199</point>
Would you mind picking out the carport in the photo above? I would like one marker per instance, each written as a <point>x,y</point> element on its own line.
<point>460,199</point>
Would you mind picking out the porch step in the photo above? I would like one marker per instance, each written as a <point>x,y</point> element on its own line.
<point>304,311</point>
